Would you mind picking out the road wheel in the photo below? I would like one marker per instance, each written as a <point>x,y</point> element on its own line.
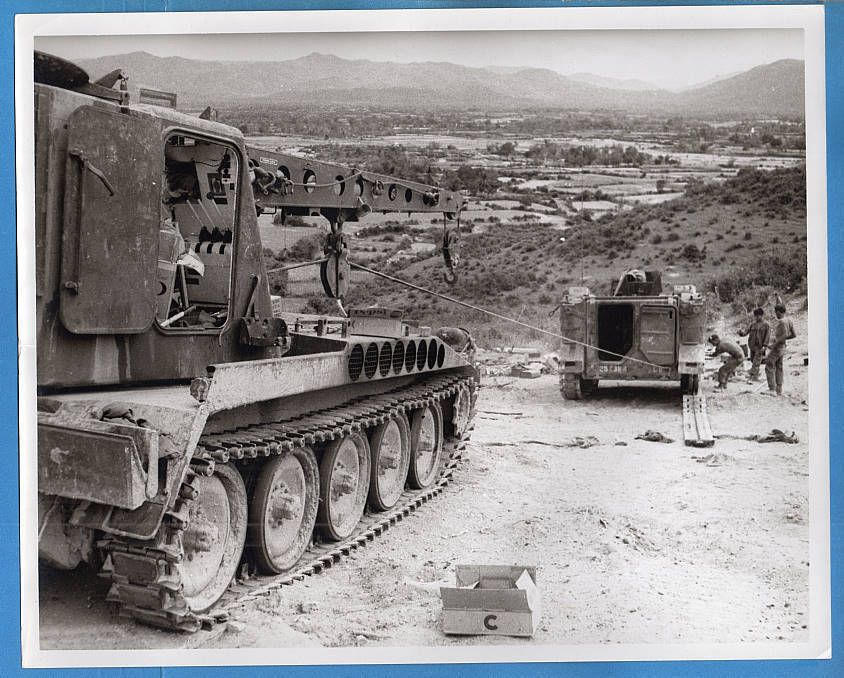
<point>214,538</point>
<point>344,473</point>
<point>390,447</point>
<point>283,510</point>
<point>689,384</point>
<point>426,446</point>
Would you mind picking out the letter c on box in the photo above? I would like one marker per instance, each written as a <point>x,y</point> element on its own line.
<point>488,622</point>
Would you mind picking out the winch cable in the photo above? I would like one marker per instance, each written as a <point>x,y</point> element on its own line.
<point>301,264</point>
<point>466,304</point>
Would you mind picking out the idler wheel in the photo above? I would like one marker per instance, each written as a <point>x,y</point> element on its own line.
<point>390,445</point>
<point>344,485</point>
<point>214,538</point>
<point>283,510</point>
<point>426,446</point>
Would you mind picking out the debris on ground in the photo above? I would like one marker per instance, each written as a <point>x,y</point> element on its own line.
<point>577,441</point>
<point>654,437</point>
<point>527,363</point>
<point>584,441</point>
<point>637,539</point>
<point>306,607</point>
<point>527,371</point>
<point>713,459</point>
<point>235,626</point>
<point>776,436</point>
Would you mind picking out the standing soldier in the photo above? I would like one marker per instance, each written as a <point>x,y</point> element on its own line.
<point>735,357</point>
<point>783,331</point>
<point>757,341</point>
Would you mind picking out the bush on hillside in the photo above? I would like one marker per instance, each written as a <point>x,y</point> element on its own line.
<point>784,271</point>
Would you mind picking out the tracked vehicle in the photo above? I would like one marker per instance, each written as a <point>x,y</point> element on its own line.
<point>638,332</point>
<point>188,431</point>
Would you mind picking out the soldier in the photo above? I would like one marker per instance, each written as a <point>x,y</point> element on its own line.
<point>261,178</point>
<point>458,338</point>
<point>735,357</point>
<point>783,331</point>
<point>757,341</point>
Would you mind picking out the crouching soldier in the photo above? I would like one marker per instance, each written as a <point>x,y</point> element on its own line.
<point>757,341</point>
<point>735,357</point>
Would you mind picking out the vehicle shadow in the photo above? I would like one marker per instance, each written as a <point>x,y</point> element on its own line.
<point>626,393</point>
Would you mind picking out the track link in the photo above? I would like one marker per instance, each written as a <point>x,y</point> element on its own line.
<point>146,583</point>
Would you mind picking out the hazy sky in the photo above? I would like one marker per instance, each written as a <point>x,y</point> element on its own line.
<point>668,58</point>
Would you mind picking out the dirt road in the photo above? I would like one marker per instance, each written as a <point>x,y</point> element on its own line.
<point>635,541</point>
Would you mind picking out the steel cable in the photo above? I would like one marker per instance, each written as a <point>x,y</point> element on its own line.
<point>445,297</point>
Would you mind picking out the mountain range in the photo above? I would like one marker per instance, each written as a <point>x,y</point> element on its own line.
<point>770,90</point>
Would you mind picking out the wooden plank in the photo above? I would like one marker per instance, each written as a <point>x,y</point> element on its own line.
<point>696,429</point>
<point>704,429</point>
<point>689,428</point>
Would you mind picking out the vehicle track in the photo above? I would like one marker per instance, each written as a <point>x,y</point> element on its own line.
<point>146,582</point>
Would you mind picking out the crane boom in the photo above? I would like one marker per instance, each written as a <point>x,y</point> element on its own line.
<point>299,185</point>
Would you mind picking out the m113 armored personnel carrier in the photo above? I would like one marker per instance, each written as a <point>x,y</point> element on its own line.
<point>187,431</point>
<point>637,333</point>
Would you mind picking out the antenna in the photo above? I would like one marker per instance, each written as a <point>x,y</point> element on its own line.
<point>582,227</point>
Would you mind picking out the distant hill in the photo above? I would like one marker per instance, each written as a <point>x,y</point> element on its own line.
<point>781,81</point>
<point>774,90</point>
<point>632,85</point>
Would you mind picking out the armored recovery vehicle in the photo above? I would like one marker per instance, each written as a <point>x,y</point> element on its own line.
<point>638,332</point>
<point>186,431</point>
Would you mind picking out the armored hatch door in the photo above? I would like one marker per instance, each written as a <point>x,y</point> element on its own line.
<point>658,332</point>
<point>112,207</point>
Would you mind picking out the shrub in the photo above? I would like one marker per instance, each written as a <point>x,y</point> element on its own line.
<point>322,305</point>
<point>309,247</point>
<point>692,252</point>
<point>782,270</point>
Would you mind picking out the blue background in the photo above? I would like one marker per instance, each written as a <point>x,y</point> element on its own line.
<point>10,661</point>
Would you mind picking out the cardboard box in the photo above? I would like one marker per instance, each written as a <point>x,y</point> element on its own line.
<point>492,600</point>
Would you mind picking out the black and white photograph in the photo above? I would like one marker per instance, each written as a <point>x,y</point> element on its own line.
<point>423,336</point>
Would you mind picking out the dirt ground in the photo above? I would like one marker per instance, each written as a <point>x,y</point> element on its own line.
<point>635,541</point>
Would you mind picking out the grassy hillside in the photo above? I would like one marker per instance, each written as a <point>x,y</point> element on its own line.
<point>747,236</point>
